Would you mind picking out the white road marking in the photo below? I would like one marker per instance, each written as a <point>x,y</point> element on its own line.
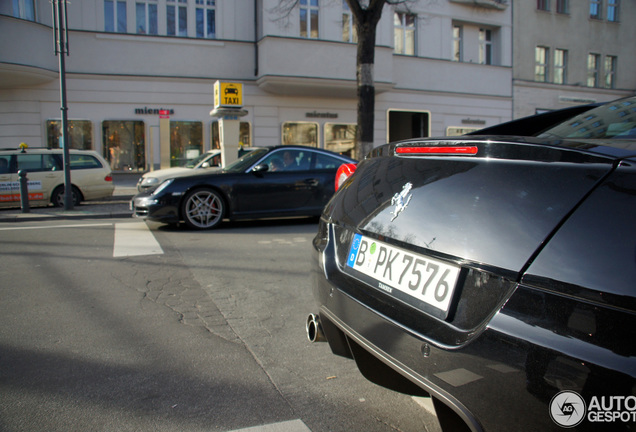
<point>286,426</point>
<point>55,226</point>
<point>134,239</point>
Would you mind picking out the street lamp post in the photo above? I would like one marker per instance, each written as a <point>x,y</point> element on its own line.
<point>60,31</point>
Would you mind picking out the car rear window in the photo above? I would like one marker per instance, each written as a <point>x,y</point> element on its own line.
<point>80,161</point>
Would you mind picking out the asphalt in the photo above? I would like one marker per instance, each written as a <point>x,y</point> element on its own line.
<point>117,206</point>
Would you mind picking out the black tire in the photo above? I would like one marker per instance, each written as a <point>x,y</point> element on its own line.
<point>57,197</point>
<point>203,209</point>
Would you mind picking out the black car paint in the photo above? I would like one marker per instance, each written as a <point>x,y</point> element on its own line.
<point>252,193</point>
<point>546,239</point>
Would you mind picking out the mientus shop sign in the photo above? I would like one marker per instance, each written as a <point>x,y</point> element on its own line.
<point>153,111</point>
<point>568,409</point>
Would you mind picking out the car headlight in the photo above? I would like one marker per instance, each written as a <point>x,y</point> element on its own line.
<point>149,181</point>
<point>162,186</point>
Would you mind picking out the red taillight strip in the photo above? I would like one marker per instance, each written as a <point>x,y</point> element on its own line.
<point>437,150</point>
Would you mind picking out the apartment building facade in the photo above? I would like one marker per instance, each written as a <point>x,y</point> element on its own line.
<point>569,52</point>
<point>441,68</point>
<point>131,59</point>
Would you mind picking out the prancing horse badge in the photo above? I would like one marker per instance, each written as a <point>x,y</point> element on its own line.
<point>401,200</point>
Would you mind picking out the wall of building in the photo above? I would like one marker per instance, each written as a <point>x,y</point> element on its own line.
<point>286,78</point>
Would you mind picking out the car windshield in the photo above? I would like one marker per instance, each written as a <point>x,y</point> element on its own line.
<point>196,161</point>
<point>246,161</point>
<point>615,120</point>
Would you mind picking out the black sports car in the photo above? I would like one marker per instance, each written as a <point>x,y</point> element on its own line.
<point>495,274</point>
<point>267,182</point>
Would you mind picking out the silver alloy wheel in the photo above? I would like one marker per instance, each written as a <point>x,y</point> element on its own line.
<point>203,209</point>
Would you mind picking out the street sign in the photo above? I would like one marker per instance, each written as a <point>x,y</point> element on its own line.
<point>228,95</point>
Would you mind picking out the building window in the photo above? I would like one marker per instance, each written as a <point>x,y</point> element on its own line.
<point>124,145</point>
<point>115,16</point>
<point>340,138</point>
<point>593,66</point>
<point>206,19</point>
<point>560,66</point>
<point>349,33</point>
<point>404,27</point>
<point>24,9</point>
<point>80,134</point>
<point>458,32</point>
<point>541,64</point>
<point>244,135</point>
<point>309,18</point>
<point>300,133</point>
<point>543,5</point>
<point>177,17</point>
<point>595,9</point>
<point>485,46</point>
<point>610,72</point>
<point>186,142</point>
<point>146,17</point>
<point>612,10</point>
<point>562,7</point>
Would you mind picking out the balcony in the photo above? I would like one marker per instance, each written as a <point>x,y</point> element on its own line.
<point>26,64</point>
<point>312,67</point>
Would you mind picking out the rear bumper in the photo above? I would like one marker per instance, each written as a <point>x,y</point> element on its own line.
<point>504,378</point>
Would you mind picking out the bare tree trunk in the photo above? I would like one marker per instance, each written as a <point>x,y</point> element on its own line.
<point>366,21</point>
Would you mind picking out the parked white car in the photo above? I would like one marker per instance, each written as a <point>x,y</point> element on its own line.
<point>209,159</point>
<point>91,177</point>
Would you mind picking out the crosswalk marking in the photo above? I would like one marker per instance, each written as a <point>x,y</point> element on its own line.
<point>134,239</point>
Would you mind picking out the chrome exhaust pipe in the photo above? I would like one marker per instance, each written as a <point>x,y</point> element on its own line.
<point>314,329</point>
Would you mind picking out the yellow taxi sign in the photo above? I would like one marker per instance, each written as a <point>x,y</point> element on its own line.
<point>228,94</point>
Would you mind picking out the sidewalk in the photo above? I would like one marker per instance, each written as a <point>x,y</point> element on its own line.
<point>116,206</point>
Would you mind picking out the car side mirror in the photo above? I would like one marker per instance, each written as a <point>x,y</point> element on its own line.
<point>260,168</point>
<point>205,165</point>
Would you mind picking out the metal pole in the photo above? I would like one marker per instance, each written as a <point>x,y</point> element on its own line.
<point>61,48</point>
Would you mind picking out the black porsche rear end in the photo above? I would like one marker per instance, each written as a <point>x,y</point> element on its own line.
<point>490,273</point>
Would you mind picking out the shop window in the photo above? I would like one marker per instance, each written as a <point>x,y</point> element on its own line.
<point>408,124</point>
<point>300,133</point>
<point>80,134</point>
<point>459,130</point>
<point>186,141</point>
<point>340,138</point>
<point>244,135</point>
<point>124,145</point>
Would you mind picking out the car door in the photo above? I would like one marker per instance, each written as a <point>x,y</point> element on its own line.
<point>9,188</point>
<point>285,186</point>
<point>44,174</point>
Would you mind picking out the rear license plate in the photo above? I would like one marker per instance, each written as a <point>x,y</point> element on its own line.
<point>424,279</point>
